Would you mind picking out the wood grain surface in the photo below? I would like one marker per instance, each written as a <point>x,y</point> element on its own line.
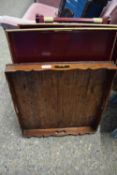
<point>53,99</point>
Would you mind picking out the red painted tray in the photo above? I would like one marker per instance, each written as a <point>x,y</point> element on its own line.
<point>62,44</point>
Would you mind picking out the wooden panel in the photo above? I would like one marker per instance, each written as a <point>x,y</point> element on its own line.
<point>59,99</point>
<point>61,45</point>
<point>114,53</point>
<point>65,25</point>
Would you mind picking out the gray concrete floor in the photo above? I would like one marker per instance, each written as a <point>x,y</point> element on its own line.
<point>83,155</point>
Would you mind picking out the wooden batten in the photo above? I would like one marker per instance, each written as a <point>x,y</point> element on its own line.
<point>65,25</point>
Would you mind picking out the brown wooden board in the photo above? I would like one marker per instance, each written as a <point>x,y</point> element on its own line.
<point>62,44</point>
<point>65,25</point>
<point>60,99</point>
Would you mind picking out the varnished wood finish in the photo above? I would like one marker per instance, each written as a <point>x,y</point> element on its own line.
<point>114,53</point>
<point>65,25</point>
<point>61,44</point>
<point>58,132</point>
<point>60,66</point>
<point>60,99</point>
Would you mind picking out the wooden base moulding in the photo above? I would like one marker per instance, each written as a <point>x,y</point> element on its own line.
<point>58,132</point>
